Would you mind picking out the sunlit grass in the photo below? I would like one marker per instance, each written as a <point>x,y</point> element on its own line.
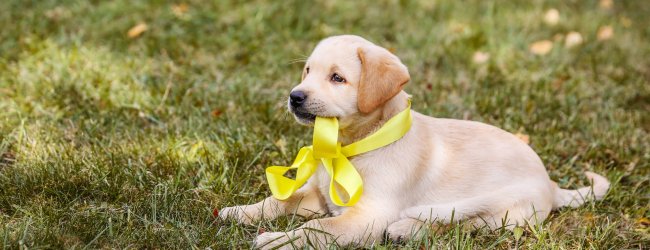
<point>108,141</point>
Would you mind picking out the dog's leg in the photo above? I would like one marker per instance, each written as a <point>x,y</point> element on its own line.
<point>305,202</point>
<point>517,214</point>
<point>507,201</point>
<point>355,226</point>
<point>444,213</point>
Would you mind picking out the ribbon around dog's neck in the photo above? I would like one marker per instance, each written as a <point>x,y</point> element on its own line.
<point>328,151</point>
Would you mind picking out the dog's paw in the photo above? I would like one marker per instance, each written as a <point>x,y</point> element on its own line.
<point>273,240</point>
<point>404,229</point>
<point>238,213</point>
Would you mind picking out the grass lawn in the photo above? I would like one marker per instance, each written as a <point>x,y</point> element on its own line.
<point>111,140</point>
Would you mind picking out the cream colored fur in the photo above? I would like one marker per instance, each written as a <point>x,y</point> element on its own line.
<point>440,168</point>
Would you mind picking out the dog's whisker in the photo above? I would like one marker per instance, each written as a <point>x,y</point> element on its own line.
<point>297,60</point>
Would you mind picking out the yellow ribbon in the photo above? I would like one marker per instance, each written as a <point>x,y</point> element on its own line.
<point>328,151</point>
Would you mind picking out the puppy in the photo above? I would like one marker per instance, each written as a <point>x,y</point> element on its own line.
<point>442,168</point>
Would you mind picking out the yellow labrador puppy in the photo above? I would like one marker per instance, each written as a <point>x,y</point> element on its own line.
<point>439,169</point>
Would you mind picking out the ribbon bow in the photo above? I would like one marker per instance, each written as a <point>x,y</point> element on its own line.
<point>327,150</point>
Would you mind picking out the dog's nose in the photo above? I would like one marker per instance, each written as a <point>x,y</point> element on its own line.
<point>297,98</point>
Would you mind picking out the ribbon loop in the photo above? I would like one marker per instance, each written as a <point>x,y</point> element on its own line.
<point>283,187</point>
<point>334,158</point>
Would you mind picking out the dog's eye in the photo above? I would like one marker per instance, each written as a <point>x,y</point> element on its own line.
<point>307,70</point>
<point>337,78</point>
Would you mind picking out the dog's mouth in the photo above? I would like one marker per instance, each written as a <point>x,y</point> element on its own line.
<point>303,116</point>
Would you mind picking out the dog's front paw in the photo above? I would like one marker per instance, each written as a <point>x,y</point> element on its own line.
<point>404,229</point>
<point>274,240</point>
<point>237,213</point>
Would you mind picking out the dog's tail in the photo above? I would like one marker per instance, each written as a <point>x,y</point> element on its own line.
<point>577,197</point>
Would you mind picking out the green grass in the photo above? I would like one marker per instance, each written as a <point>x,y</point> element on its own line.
<point>112,142</point>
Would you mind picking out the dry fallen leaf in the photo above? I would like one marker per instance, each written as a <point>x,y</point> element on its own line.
<point>180,9</point>
<point>216,113</point>
<point>606,4</point>
<point>541,47</point>
<point>644,222</point>
<point>523,137</point>
<point>605,33</point>
<point>552,17</point>
<point>137,30</point>
<point>572,39</point>
<point>480,57</point>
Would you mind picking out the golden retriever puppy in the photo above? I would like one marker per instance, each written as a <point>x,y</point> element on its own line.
<point>439,169</point>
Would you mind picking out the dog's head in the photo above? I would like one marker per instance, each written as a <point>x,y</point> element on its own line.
<point>346,77</point>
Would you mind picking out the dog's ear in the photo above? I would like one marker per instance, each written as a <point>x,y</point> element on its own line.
<point>382,77</point>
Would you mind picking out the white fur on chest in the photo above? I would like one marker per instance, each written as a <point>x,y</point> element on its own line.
<point>323,183</point>
<point>323,180</point>
<point>361,164</point>
<point>383,174</point>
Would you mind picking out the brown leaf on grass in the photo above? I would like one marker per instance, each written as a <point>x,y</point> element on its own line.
<point>523,137</point>
<point>541,47</point>
<point>644,222</point>
<point>480,57</point>
<point>216,113</point>
<point>572,39</point>
<point>180,9</point>
<point>552,17</point>
<point>137,30</point>
<point>606,4</point>
<point>605,33</point>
